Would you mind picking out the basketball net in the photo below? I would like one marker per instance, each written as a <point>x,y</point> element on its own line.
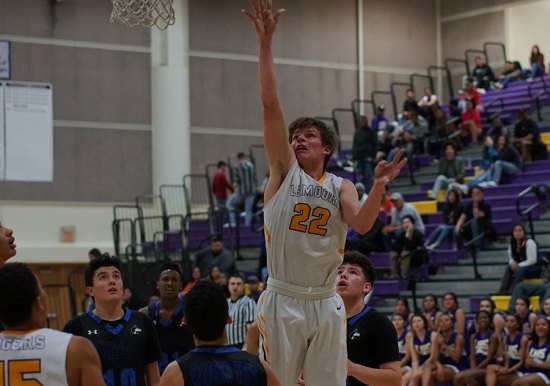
<point>145,13</point>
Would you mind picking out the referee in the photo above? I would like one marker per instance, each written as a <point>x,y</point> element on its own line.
<point>242,311</point>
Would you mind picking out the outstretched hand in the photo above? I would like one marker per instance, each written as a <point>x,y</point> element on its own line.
<point>264,19</point>
<point>388,171</point>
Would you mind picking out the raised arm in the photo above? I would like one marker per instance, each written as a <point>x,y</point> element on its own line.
<point>279,153</point>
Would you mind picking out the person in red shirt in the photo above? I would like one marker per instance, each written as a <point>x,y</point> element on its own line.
<point>220,184</point>
<point>471,121</point>
<point>471,92</point>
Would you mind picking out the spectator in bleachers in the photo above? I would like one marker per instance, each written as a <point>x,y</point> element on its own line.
<point>508,161</point>
<point>448,348</point>
<point>451,213</point>
<point>515,348</point>
<point>483,74</point>
<point>404,142</point>
<point>245,181</point>
<point>385,145</point>
<point>470,92</point>
<point>380,121</point>
<point>526,134</point>
<point>418,127</point>
<point>400,325</point>
<point>403,248</point>
<point>527,317</point>
<point>537,359</point>
<point>544,310</point>
<point>428,100</point>
<point>471,121</point>
<point>483,346</point>
<point>400,209</point>
<point>220,184</point>
<point>522,260</point>
<point>402,307</point>
<point>487,304</point>
<point>215,255</point>
<point>420,341</point>
<point>361,192</point>
<point>497,128</point>
<point>253,285</point>
<point>512,72</point>
<point>451,308</point>
<point>477,215</point>
<point>431,311</point>
<point>364,148</point>
<point>367,243</point>
<point>489,155</point>
<point>536,60</point>
<point>542,290</point>
<point>196,275</point>
<point>449,170</point>
<point>410,104</point>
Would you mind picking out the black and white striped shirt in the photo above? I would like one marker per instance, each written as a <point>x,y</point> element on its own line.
<point>245,177</point>
<point>243,312</point>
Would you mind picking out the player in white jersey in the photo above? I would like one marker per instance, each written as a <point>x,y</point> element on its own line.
<point>300,317</point>
<point>31,354</point>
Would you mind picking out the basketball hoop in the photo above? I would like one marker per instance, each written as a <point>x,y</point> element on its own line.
<point>145,13</point>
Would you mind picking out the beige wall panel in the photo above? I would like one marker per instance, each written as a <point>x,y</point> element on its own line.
<point>224,93</point>
<point>399,33</point>
<point>86,20</point>
<point>452,7</point>
<point>322,30</point>
<point>89,84</point>
<point>92,165</point>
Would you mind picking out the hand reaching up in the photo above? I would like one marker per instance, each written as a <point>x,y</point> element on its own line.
<point>264,19</point>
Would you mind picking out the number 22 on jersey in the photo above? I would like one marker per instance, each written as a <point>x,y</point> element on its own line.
<point>308,220</point>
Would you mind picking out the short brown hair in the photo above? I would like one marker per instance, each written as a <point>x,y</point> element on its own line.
<point>329,136</point>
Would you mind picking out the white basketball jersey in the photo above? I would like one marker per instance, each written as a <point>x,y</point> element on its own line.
<point>38,355</point>
<point>305,229</point>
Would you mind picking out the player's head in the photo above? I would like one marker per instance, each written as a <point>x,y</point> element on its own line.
<point>103,278</point>
<point>21,296</point>
<point>206,311</point>
<point>7,245</point>
<point>221,164</point>
<point>169,282</point>
<point>329,136</point>
<point>356,275</point>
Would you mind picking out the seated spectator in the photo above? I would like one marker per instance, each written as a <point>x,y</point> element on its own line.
<point>402,307</point>
<point>508,161</point>
<point>417,126</point>
<point>215,255</point>
<point>483,344</point>
<point>451,213</point>
<point>367,243</point>
<point>450,170</point>
<point>526,134</point>
<point>452,308</point>
<point>448,348</point>
<point>483,74</point>
<point>410,104</point>
<point>515,347</point>
<point>527,317</point>
<point>420,341</point>
<point>400,325</point>
<point>536,60</point>
<point>470,92</point>
<point>542,290</point>
<point>403,248</point>
<point>489,155</point>
<point>253,284</point>
<point>455,112</point>
<point>497,128</point>
<point>471,121</point>
<point>404,142</point>
<point>428,100</point>
<point>478,215</point>
<point>537,359</point>
<point>512,72</point>
<point>196,275</point>
<point>522,260</point>
<point>384,145</point>
<point>361,192</point>
<point>544,310</point>
<point>400,209</point>
<point>487,304</point>
<point>380,121</point>
<point>431,311</point>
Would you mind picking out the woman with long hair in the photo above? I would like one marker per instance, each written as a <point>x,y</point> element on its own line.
<point>402,307</point>
<point>431,311</point>
<point>420,341</point>
<point>522,260</point>
<point>537,360</point>
<point>527,317</point>
<point>544,310</point>
<point>400,325</point>
<point>451,307</point>
<point>451,213</point>
<point>515,347</point>
<point>483,346</point>
<point>487,304</point>
<point>448,349</point>
<point>536,59</point>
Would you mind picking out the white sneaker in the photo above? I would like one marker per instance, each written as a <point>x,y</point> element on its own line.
<point>483,184</point>
<point>491,183</point>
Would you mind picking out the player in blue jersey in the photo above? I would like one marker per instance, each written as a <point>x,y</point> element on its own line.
<point>167,314</point>
<point>212,362</point>
<point>126,340</point>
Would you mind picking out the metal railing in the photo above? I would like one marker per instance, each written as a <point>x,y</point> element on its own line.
<point>528,210</point>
